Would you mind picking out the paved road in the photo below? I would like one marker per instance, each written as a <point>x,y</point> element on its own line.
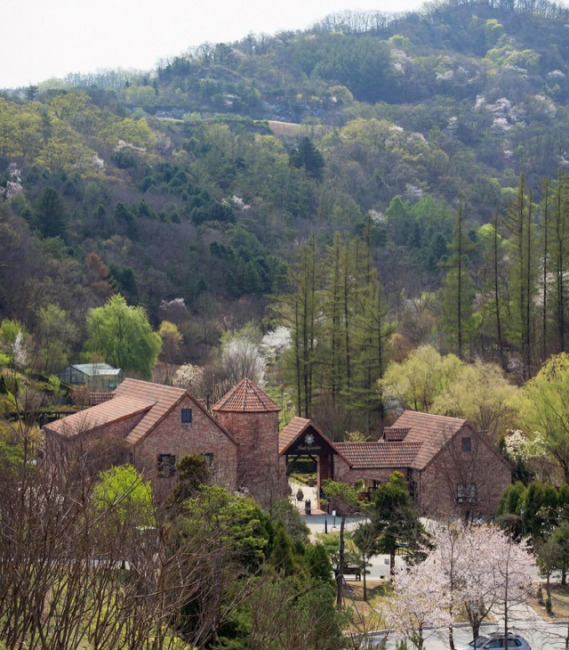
<point>540,634</point>
<point>548,637</point>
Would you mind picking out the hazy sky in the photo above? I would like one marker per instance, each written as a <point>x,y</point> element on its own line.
<point>51,38</point>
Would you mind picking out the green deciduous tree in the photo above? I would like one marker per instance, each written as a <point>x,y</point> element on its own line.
<point>123,491</point>
<point>418,380</point>
<point>122,336</point>
<point>543,404</point>
<point>482,394</point>
<point>57,333</point>
<point>301,309</point>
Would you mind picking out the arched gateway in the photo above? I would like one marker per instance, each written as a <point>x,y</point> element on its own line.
<point>301,438</point>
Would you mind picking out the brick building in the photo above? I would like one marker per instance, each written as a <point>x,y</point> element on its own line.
<point>450,468</point>
<point>154,426</point>
<point>253,418</point>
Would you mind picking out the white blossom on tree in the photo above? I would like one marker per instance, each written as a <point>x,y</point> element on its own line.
<point>241,358</point>
<point>241,355</point>
<point>420,599</point>
<point>275,342</point>
<point>188,376</point>
<point>531,451</point>
<point>480,568</point>
<point>19,351</point>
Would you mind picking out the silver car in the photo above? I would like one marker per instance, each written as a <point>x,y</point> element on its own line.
<point>497,640</point>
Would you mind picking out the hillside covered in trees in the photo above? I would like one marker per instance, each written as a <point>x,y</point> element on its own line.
<point>375,184</point>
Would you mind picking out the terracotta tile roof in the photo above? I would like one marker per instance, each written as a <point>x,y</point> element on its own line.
<point>99,398</point>
<point>291,431</point>
<point>164,398</point>
<point>380,455</point>
<point>100,415</point>
<point>394,433</point>
<point>433,431</point>
<point>246,397</point>
<point>132,397</point>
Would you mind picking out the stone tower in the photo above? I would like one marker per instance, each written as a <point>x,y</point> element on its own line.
<point>252,418</point>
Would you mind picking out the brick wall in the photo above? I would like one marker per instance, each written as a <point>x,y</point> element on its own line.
<point>202,436</point>
<point>258,467</point>
<point>480,466</point>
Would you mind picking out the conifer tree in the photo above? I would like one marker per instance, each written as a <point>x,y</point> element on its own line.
<point>302,307</point>
<point>519,222</point>
<point>458,289</point>
<point>560,256</point>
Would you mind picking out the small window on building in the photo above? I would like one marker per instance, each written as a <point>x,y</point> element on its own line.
<point>466,493</point>
<point>467,444</point>
<point>208,457</point>
<point>413,490</point>
<point>166,465</point>
<point>186,416</point>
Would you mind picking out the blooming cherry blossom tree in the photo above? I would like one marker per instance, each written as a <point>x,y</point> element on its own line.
<point>420,598</point>
<point>480,568</point>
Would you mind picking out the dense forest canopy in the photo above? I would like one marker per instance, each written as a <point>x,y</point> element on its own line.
<point>402,178</point>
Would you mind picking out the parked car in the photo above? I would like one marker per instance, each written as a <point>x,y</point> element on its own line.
<point>497,640</point>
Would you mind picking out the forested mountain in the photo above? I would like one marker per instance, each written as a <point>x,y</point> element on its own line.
<point>414,162</point>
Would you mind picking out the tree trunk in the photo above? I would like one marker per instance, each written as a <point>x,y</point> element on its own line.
<point>340,576</point>
<point>451,637</point>
<point>497,296</point>
<point>364,577</point>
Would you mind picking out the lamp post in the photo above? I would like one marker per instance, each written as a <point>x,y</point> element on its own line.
<point>333,519</point>
<point>522,518</point>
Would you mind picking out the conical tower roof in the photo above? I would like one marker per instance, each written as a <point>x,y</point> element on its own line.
<point>246,397</point>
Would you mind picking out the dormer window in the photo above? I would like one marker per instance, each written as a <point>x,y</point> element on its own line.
<point>186,416</point>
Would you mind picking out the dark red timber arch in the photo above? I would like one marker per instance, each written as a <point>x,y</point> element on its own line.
<point>300,438</point>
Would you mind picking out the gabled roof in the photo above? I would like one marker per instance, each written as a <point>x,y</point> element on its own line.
<point>107,412</point>
<point>291,431</point>
<point>413,442</point>
<point>379,455</point>
<point>433,432</point>
<point>133,397</point>
<point>295,429</point>
<point>246,397</point>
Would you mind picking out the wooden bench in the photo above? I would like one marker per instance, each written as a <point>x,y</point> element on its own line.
<point>354,571</point>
